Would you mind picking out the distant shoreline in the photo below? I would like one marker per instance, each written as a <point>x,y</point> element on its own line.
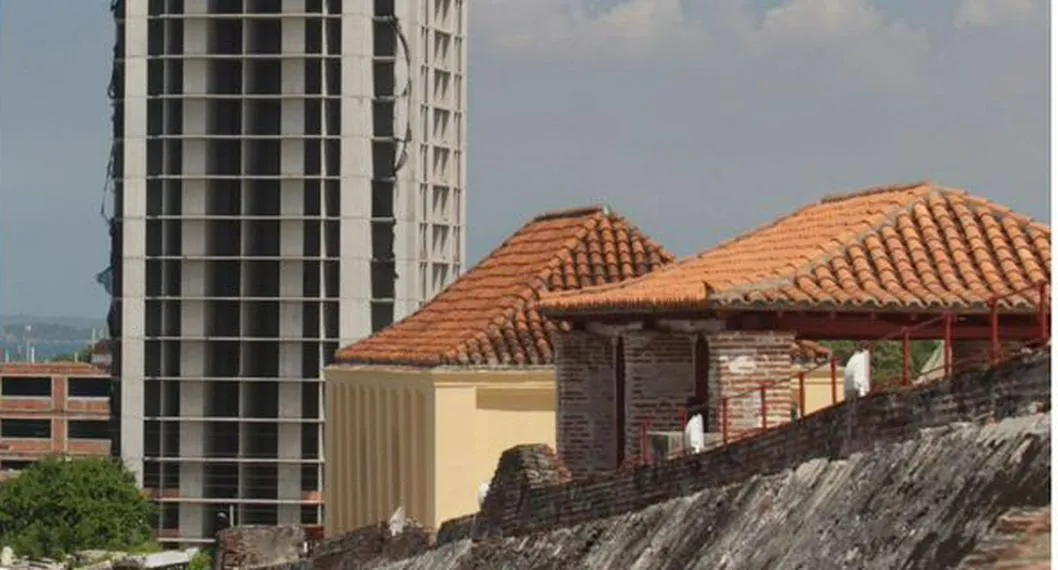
<point>74,322</point>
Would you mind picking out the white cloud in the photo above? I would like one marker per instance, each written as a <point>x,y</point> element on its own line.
<point>847,38</point>
<point>747,113</point>
<point>725,30</point>
<point>852,39</point>
<point>984,13</point>
<point>821,21</point>
<point>569,29</point>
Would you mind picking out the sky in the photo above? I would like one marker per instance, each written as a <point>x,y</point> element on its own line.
<point>697,120</point>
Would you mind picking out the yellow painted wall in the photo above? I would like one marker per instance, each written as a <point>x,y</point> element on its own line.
<point>817,389</point>
<point>425,439</point>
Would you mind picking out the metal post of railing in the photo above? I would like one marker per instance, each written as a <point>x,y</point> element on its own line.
<point>833,380</point>
<point>683,424</point>
<point>763,407</point>
<point>993,317</point>
<point>723,419</point>
<point>802,399</point>
<point>643,445</point>
<point>1043,302</point>
<point>870,367</point>
<point>948,318</point>
<point>905,372</point>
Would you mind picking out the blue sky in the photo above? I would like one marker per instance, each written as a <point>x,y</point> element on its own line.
<point>697,120</point>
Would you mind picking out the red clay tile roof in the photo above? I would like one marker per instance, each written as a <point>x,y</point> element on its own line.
<point>488,316</point>
<point>898,247</point>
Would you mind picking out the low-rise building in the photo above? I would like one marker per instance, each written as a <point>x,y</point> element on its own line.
<point>102,356</point>
<point>719,325</point>
<point>419,413</point>
<point>52,408</point>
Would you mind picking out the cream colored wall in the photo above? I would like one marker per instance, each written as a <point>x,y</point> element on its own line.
<point>425,439</point>
<point>507,411</point>
<point>378,446</point>
<point>817,389</point>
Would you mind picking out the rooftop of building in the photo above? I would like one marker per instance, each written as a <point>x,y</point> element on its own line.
<point>488,316</point>
<point>51,369</point>
<point>909,247</point>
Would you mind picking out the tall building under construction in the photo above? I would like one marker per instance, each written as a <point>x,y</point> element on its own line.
<point>287,177</point>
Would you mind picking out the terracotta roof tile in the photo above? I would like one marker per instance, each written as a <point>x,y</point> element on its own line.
<point>895,247</point>
<point>489,317</point>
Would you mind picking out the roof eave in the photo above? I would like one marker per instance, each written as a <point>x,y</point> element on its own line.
<point>659,309</point>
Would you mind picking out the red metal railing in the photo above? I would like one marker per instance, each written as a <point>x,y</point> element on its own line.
<point>949,324</point>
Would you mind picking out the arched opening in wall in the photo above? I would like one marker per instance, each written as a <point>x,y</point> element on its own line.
<point>619,398</point>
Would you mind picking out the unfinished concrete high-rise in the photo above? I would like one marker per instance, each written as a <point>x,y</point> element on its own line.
<point>288,177</point>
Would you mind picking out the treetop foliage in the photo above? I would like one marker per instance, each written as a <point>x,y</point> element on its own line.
<point>59,506</point>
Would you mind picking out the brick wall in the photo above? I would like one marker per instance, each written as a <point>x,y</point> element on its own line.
<point>741,362</point>
<point>244,547</point>
<point>59,409</point>
<point>353,549</point>
<point>659,377</point>
<point>584,376</point>
<point>835,432</point>
<point>521,469</point>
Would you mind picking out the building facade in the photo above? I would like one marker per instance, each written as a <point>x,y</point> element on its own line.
<point>421,412</point>
<point>866,266</point>
<point>288,177</point>
<point>52,409</point>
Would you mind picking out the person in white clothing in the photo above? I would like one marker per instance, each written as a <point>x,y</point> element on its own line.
<point>694,431</point>
<point>858,373</point>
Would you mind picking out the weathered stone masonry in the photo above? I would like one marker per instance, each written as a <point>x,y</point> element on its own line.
<point>532,493</point>
<point>659,375</point>
<point>1013,389</point>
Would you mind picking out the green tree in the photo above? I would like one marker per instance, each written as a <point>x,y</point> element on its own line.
<point>201,561</point>
<point>59,506</point>
<point>887,358</point>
